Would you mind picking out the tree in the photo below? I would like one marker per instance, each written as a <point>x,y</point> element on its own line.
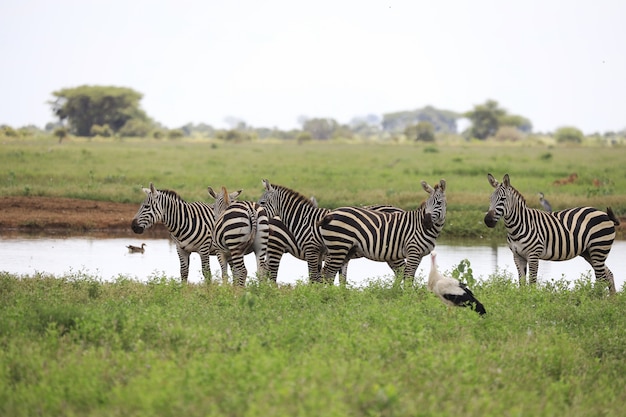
<point>568,134</point>
<point>86,106</point>
<point>489,117</point>
<point>423,131</point>
<point>320,128</point>
<point>441,120</point>
<point>485,119</point>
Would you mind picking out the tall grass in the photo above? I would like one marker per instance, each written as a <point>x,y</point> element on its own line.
<point>336,174</point>
<point>73,345</point>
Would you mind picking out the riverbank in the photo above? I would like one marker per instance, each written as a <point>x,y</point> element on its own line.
<point>71,216</point>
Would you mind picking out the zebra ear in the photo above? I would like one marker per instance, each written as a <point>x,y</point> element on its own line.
<point>226,196</point>
<point>211,192</point>
<point>267,185</point>
<point>235,194</point>
<point>152,189</point>
<point>427,187</point>
<point>492,180</point>
<point>506,180</point>
<point>442,184</point>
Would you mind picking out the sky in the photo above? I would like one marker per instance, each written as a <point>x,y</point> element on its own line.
<point>271,62</point>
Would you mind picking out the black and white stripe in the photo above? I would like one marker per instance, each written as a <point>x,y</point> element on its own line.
<point>387,237</point>
<point>190,226</point>
<point>240,228</point>
<point>294,228</point>
<point>553,236</point>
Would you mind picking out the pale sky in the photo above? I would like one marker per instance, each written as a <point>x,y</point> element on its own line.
<point>268,62</point>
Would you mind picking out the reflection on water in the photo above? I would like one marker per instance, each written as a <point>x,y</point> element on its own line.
<point>108,258</point>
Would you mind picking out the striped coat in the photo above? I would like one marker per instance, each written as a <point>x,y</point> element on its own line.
<point>553,236</point>
<point>382,236</point>
<point>241,227</point>
<point>190,226</point>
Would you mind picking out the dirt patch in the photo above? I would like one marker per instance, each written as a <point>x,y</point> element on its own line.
<point>50,214</point>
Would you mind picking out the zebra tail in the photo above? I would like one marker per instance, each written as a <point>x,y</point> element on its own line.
<point>243,246</point>
<point>325,220</point>
<point>612,216</point>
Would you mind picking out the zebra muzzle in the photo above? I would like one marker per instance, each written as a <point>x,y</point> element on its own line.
<point>490,219</point>
<point>136,227</point>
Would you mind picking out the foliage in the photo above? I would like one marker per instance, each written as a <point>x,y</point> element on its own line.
<point>104,131</point>
<point>441,120</point>
<point>422,132</point>
<point>464,273</point>
<point>336,173</point>
<point>508,134</point>
<point>78,346</point>
<point>86,106</point>
<point>489,117</point>
<point>136,128</point>
<point>320,128</point>
<point>568,134</point>
<point>61,133</point>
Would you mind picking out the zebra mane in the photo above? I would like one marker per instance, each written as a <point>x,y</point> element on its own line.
<point>298,196</point>
<point>517,194</point>
<point>172,194</point>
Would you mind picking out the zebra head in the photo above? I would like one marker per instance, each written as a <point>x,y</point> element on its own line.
<point>222,200</point>
<point>277,199</point>
<point>150,212</point>
<point>498,201</point>
<point>435,205</point>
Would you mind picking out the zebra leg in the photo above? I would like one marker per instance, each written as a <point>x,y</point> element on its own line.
<point>331,267</point>
<point>221,257</point>
<point>240,273</point>
<point>533,267</point>
<point>601,271</point>
<point>183,256</point>
<point>206,264</point>
<point>408,269</point>
<point>312,259</point>
<point>520,264</point>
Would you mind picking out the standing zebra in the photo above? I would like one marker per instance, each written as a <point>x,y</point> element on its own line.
<point>534,234</point>
<point>190,226</point>
<point>293,230</point>
<point>240,227</point>
<point>380,236</point>
<point>294,220</point>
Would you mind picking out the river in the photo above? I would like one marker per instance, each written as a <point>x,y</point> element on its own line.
<point>108,258</point>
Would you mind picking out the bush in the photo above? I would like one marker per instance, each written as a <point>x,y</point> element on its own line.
<point>135,128</point>
<point>568,134</point>
<point>104,131</point>
<point>508,134</point>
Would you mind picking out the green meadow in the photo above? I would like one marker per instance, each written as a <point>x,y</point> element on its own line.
<point>336,173</point>
<point>74,345</point>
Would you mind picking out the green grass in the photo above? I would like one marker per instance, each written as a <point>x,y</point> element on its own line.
<point>73,345</point>
<point>335,173</point>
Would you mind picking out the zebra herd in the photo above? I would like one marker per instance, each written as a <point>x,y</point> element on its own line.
<point>285,221</point>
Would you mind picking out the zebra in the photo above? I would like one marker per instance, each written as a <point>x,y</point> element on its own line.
<point>297,234</point>
<point>190,226</point>
<point>240,228</point>
<point>534,234</point>
<point>293,228</point>
<point>389,237</point>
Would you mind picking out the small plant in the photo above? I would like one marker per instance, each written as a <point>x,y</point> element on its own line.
<point>463,272</point>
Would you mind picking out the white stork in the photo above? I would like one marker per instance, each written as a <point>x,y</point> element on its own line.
<point>451,291</point>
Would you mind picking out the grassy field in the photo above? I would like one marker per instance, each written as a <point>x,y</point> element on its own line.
<point>335,173</point>
<point>76,346</point>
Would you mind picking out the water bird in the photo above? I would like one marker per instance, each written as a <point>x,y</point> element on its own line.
<point>136,249</point>
<point>545,203</point>
<point>452,292</point>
